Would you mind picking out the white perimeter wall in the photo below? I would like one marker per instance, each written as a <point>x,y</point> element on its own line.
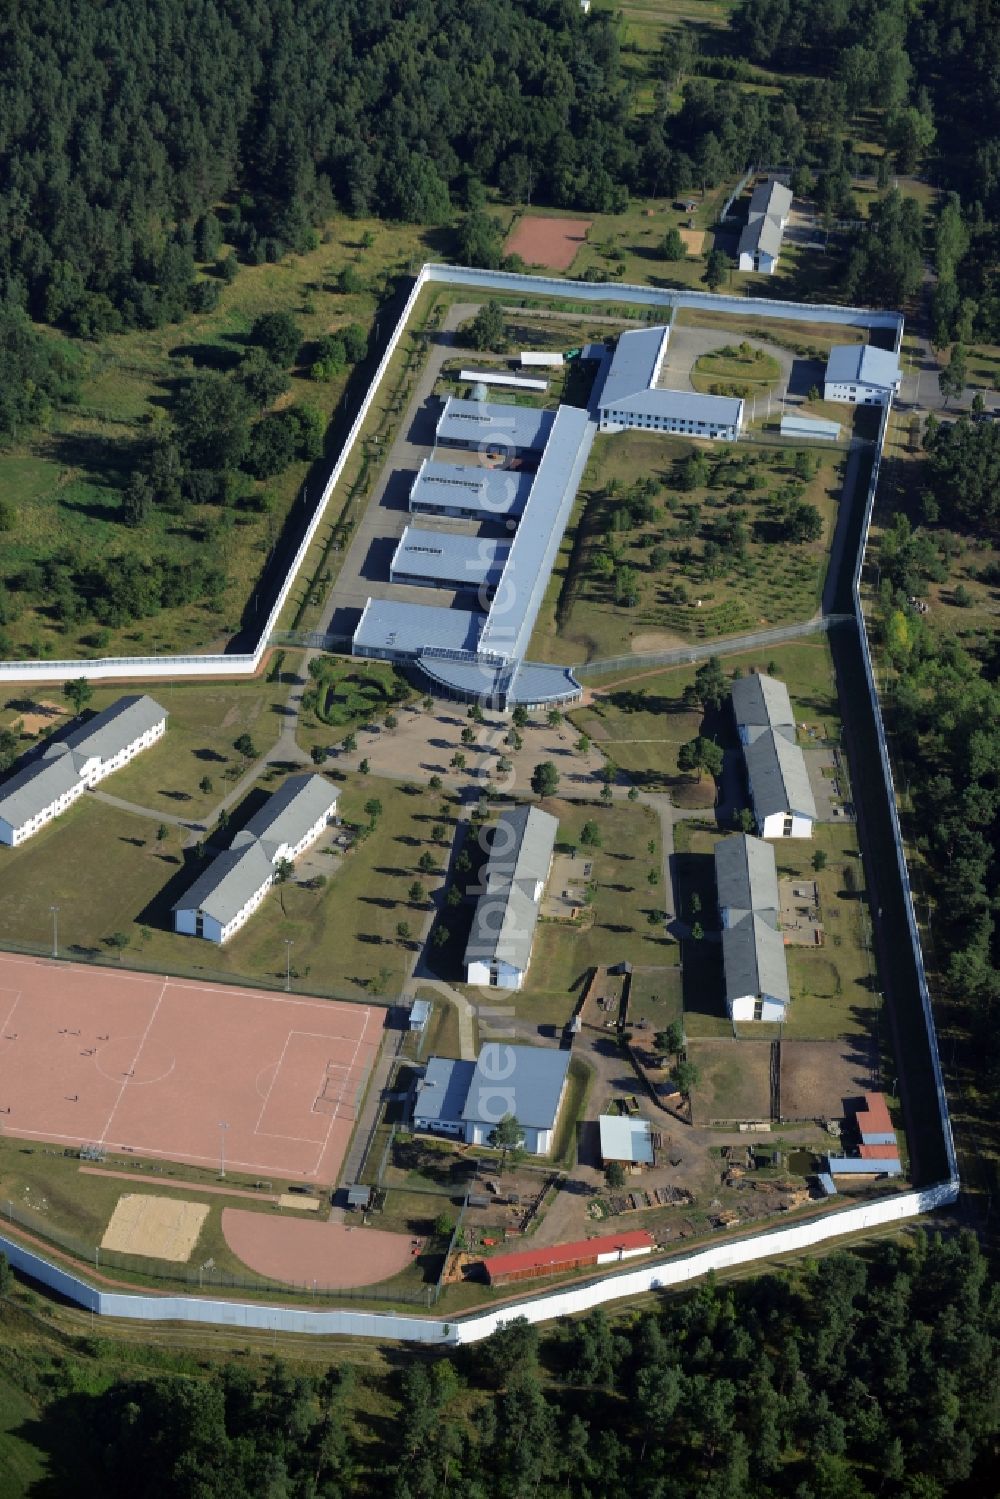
<point>539,1308</point>
<point>154,668</point>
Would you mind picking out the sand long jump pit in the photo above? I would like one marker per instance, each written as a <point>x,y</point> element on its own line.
<point>185,1071</point>
<point>162,1227</point>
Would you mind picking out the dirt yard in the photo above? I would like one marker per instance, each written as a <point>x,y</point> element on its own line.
<point>817,1076</point>
<point>160,1227</point>
<point>39,716</point>
<point>548,242</point>
<point>693,240</point>
<point>735,1080</point>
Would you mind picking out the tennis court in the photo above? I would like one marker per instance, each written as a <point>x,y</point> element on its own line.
<point>164,1067</point>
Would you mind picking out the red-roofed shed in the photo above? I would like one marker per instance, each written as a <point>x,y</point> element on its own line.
<point>879,1152</point>
<point>556,1259</point>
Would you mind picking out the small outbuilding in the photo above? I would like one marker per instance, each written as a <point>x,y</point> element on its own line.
<point>420,1013</point>
<point>628,1141</point>
<point>558,1259</point>
<point>359,1197</point>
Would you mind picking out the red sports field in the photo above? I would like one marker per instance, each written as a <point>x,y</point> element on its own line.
<point>549,242</point>
<point>169,1067</point>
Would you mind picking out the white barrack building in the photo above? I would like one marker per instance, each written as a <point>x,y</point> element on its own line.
<point>76,763</point>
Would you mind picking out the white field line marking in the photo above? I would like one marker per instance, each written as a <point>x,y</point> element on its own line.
<point>336,1114</point>
<point>138,1053</point>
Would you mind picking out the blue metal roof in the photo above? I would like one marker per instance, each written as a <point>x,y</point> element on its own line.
<point>410,629</point>
<point>853,1165</point>
<point>442,1091</point>
<point>862,364</point>
<point>514,609</point>
<point>451,557</point>
<point>496,493</point>
<point>526,1081</point>
<point>491,425</point>
<point>634,364</point>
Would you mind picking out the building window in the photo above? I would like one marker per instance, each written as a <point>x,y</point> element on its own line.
<point>758,1009</point>
<point>786,831</point>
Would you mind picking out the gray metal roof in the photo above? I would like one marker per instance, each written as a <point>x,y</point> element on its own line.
<point>231,879</point>
<point>526,1081</point>
<point>496,493</point>
<point>634,364</point>
<point>762,702</point>
<point>862,364</point>
<point>442,1091</point>
<point>236,874</point>
<point>503,925</point>
<point>288,815</point>
<point>625,1139</point>
<point>463,561</point>
<point>106,734</point>
<point>771,197</point>
<point>778,777</point>
<point>746,877</point>
<point>535,682</point>
<point>492,425</point>
<point>390,625</point>
<point>753,956</point>
<point>809,426</point>
<point>762,233</point>
<point>680,406</point>
<point>30,790</point>
<point>527,682</point>
<point>533,551</point>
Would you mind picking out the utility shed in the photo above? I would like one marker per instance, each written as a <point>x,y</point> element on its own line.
<point>626,1140</point>
<point>557,1259</point>
<point>358,1196</point>
<point>420,1013</point>
<point>810,426</point>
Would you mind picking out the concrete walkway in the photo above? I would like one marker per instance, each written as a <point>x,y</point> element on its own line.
<point>171,819</point>
<point>466,1012</point>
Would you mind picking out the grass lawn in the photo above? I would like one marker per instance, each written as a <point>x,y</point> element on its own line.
<point>22,1465</point>
<point>351,695</point>
<point>344,935</point>
<point>103,868</point>
<point>66,481</point>
<point>804,338</point>
<point>641,731</point>
<point>688,581</point>
<point>753,376</point>
<point>619,928</point>
<point>656,996</point>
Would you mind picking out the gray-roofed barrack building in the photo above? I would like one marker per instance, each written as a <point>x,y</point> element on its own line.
<point>79,760</point>
<point>783,801</point>
<point>231,889</point>
<point>470,491</point>
<point>630,398</point>
<point>753,949</point>
<point>444,559</point>
<point>503,927</point>
<point>760,242</point>
<point>490,427</point>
